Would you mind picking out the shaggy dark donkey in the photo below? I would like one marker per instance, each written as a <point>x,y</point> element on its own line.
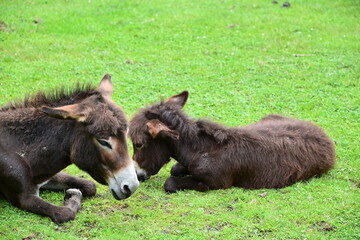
<point>273,153</point>
<point>44,134</point>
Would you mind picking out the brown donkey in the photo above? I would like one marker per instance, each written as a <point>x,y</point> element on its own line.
<point>273,153</point>
<point>46,133</point>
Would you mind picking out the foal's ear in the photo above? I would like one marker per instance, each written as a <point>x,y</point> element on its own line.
<point>106,88</point>
<point>65,112</point>
<point>158,129</point>
<point>179,99</point>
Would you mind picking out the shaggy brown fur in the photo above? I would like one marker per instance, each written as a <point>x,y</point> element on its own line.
<point>42,135</point>
<point>273,153</point>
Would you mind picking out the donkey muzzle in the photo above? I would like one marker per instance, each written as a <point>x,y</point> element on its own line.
<point>124,183</point>
<point>141,173</point>
<point>142,176</point>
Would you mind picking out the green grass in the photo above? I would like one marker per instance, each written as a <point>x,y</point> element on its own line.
<point>237,59</point>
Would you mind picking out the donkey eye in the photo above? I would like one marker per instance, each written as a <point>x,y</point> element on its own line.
<point>104,143</point>
<point>139,145</point>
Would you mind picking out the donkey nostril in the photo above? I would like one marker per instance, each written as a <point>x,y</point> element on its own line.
<point>142,177</point>
<point>126,190</point>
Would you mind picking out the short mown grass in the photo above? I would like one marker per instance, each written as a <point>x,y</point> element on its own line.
<point>240,60</point>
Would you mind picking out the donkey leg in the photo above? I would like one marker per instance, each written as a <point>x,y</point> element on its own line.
<point>18,187</point>
<point>63,181</point>
<point>178,170</point>
<point>73,199</point>
<point>174,184</point>
<point>58,214</point>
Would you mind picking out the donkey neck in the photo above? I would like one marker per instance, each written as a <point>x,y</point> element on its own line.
<point>196,138</point>
<point>187,147</point>
<point>43,142</point>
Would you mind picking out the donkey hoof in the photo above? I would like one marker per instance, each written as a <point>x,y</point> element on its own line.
<point>73,192</point>
<point>170,186</point>
<point>65,215</point>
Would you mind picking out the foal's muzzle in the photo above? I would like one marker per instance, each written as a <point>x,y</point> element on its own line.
<point>141,173</point>
<point>142,176</point>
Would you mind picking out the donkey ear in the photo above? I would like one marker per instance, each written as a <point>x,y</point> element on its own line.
<point>65,112</point>
<point>158,129</point>
<point>106,88</point>
<point>179,99</point>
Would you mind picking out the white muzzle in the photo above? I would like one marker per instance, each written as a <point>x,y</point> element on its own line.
<point>124,183</point>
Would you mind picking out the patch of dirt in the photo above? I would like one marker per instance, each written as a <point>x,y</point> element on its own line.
<point>85,232</point>
<point>218,227</point>
<point>132,216</point>
<point>129,61</point>
<point>4,27</point>
<point>284,191</point>
<point>32,236</point>
<point>104,209</point>
<point>123,206</point>
<point>323,226</point>
<point>115,208</point>
<point>61,228</point>
<point>90,225</point>
<point>230,208</point>
<point>37,20</point>
<point>145,197</point>
<point>209,211</point>
<point>286,5</point>
<point>355,183</point>
<point>265,232</point>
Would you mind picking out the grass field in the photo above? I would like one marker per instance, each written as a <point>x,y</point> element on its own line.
<point>240,60</point>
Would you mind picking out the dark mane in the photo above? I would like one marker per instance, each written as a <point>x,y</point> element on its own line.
<point>58,97</point>
<point>175,118</point>
<point>194,130</point>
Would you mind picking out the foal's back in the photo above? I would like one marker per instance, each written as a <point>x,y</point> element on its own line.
<point>283,150</point>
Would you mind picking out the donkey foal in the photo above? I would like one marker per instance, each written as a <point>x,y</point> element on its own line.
<point>273,153</point>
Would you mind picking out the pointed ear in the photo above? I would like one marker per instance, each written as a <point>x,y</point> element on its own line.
<point>65,112</point>
<point>179,99</point>
<point>158,129</point>
<point>106,88</point>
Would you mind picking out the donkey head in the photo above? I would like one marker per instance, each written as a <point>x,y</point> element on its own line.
<point>98,144</point>
<point>152,139</point>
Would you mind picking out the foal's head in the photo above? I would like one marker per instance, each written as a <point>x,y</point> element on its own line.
<point>99,144</point>
<point>150,136</point>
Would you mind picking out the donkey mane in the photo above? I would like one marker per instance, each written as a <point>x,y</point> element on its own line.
<point>193,130</point>
<point>55,98</point>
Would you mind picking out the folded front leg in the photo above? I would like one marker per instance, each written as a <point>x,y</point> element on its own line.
<point>64,181</point>
<point>178,170</point>
<point>174,184</point>
<point>58,214</point>
<point>19,188</point>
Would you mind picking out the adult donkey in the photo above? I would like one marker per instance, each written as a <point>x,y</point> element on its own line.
<point>272,153</point>
<point>45,133</point>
